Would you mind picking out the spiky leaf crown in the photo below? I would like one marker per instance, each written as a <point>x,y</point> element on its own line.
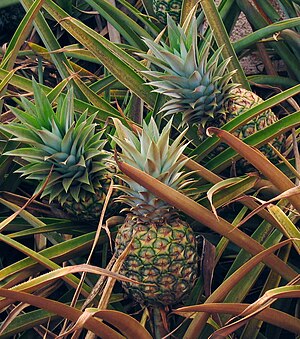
<point>151,152</point>
<point>197,83</point>
<point>70,148</point>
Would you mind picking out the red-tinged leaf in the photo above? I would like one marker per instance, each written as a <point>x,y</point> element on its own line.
<point>67,312</point>
<point>127,325</point>
<point>40,281</point>
<point>130,327</point>
<point>285,195</point>
<point>220,293</point>
<point>258,160</point>
<point>206,217</point>
<point>270,316</point>
<point>202,171</point>
<point>261,304</point>
<point>208,255</point>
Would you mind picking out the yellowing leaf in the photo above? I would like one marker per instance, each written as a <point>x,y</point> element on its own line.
<point>288,228</point>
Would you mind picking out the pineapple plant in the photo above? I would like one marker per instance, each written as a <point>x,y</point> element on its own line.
<point>163,249</point>
<point>199,86</point>
<point>65,150</point>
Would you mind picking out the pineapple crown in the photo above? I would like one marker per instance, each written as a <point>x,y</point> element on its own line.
<point>197,83</point>
<point>70,148</point>
<point>151,152</point>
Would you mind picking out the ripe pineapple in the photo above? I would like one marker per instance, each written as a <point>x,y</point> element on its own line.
<point>163,250</point>
<point>199,85</point>
<point>171,7</point>
<point>69,146</point>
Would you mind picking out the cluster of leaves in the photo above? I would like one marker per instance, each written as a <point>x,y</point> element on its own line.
<point>92,46</point>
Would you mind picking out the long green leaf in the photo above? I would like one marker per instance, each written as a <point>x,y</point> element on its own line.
<point>45,262</point>
<point>127,27</point>
<point>258,139</point>
<point>264,32</point>
<point>149,25</point>
<point>281,48</point>
<point>63,273</point>
<point>58,253</point>
<point>51,43</point>
<point>120,69</point>
<point>78,53</point>
<point>228,190</point>
<point>288,228</point>
<point>80,106</point>
<point>27,321</point>
<point>20,35</point>
<point>242,288</point>
<point>5,3</point>
<point>271,80</point>
<point>223,40</point>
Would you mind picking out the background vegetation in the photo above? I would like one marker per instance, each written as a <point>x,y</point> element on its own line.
<point>57,273</point>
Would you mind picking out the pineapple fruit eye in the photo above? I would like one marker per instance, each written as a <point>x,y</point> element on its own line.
<point>170,7</point>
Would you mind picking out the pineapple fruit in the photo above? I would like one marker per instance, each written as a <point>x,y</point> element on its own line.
<point>163,251</point>
<point>68,147</point>
<point>162,8</point>
<point>199,86</point>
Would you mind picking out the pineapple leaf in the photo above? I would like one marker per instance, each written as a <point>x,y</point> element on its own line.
<point>28,153</point>
<point>26,117</point>
<point>22,132</point>
<point>68,144</point>
<point>66,183</point>
<point>50,139</point>
<point>43,107</point>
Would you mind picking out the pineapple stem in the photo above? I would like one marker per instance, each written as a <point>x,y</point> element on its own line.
<point>222,38</point>
<point>159,330</point>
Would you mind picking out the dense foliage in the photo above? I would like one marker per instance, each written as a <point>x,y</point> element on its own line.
<point>134,124</point>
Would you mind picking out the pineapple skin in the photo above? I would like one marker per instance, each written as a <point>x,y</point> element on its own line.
<point>163,254</point>
<point>90,205</point>
<point>244,100</point>
<point>163,7</point>
<point>239,102</point>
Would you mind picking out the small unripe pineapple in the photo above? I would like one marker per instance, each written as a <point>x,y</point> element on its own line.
<point>67,148</point>
<point>199,86</point>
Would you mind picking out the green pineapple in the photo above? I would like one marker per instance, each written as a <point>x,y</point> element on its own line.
<point>163,250</point>
<point>199,85</point>
<point>171,7</point>
<point>69,147</point>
